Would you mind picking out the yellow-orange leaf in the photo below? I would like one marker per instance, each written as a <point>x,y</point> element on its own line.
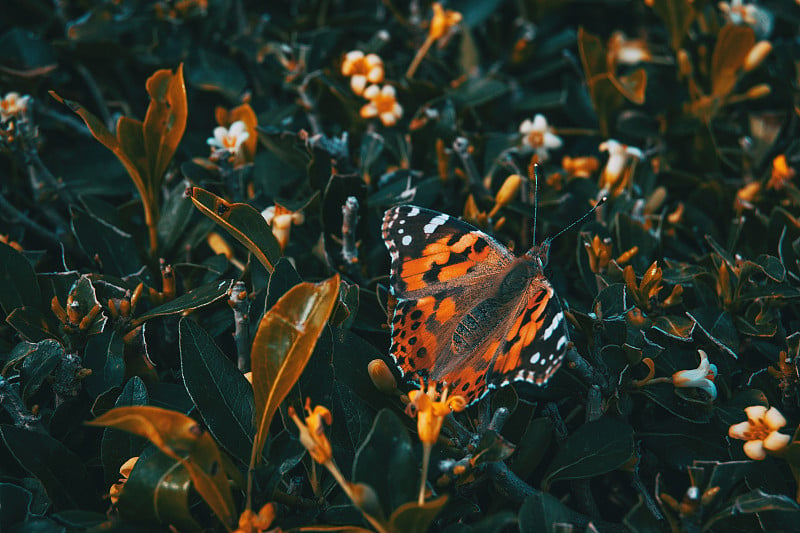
<point>283,345</point>
<point>184,440</point>
<point>733,44</point>
<point>165,121</point>
<point>243,222</point>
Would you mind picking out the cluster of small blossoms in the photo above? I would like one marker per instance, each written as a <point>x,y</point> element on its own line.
<point>366,73</point>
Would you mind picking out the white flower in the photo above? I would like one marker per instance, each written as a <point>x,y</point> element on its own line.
<point>281,220</point>
<point>230,139</point>
<point>12,105</point>
<point>760,431</point>
<point>619,158</point>
<point>382,104</point>
<point>701,377</point>
<point>539,136</point>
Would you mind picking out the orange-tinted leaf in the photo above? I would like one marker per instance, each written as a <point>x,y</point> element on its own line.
<point>282,346</point>
<point>243,222</point>
<point>632,86</point>
<point>733,44</point>
<point>107,139</point>
<point>677,16</point>
<point>181,438</point>
<point>165,121</point>
<point>593,54</point>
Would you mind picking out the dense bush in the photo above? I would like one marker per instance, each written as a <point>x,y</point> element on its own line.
<point>195,290</point>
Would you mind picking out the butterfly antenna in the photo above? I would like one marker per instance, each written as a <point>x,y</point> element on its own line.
<point>582,218</point>
<point>535,198</point>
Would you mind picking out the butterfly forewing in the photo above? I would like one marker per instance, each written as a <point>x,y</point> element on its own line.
<point>466,308</point>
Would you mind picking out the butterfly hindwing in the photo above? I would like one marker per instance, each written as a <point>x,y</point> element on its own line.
<point>467,311</point>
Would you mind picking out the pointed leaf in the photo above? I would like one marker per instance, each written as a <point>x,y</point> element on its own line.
<point>18,286</point>
<point>221,393</point>
<point>283,345</point>
<point>60,470</point>
<point>733,44</point>
<point>181,438</point>
<point>107,139</point>
<point>595,448</point>
<point>165,121</point>
<point>199,297</point>
<point>243,222</point>
<point>414,517</point>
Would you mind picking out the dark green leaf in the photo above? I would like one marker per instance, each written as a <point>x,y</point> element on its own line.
<point>676,327</point>
<point>30,324</point>
<point>595,448</point>
<point>283,278</point>
<point>115,249</point>
<point>105,357</point>
<point>414,517</point>
<point>540,511</point>
<point>718,327</point>
<point>18,286</point>
<point>59,469</point>
<point>388,448</point>
<point>218,389</point>
<point>193,299</point>
<point>118,446</point>
<point>83,294</point>
<point>16,505</point>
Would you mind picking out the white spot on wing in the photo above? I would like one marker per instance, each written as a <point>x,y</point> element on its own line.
<point>406,240</point>
<point>435,222</point>
<point>553,326</point>
<point>414,212</point>
<point>535,358</point>
<point>561,342</point>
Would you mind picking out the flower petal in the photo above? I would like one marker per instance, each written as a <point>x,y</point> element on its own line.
<point>754,449</point>
<point>776,441</point>
<point>755,413</point>
<point>774,419</point>
<point>740,431</point>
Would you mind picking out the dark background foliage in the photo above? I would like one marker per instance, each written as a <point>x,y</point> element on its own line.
<point>708,203</point>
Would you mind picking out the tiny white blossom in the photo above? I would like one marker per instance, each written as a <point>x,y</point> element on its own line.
<point>701,377</point>
<point>230,139</point>
<point>539,136</point>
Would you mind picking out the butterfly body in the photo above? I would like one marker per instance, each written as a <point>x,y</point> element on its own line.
<point>468,311</point>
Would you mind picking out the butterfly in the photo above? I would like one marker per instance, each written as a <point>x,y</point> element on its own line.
<point>469,312</point>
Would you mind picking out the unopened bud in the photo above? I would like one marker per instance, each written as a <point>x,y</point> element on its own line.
<point>508,191</point>
<point>756,55</point>
<point>758,91</point>
<point>381,376</point>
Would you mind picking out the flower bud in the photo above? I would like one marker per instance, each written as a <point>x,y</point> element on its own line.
<point>381,376</point>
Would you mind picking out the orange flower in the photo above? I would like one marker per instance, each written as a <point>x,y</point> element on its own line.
<point>125,471</point>
<point>281,221</point>
<point>382,104</point>
<point>362,69</point>
<point>443,21</point>
<point>782,173</point>
<point>312,432</point>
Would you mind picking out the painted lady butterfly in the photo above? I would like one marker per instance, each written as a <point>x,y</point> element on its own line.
<point>468,311</point>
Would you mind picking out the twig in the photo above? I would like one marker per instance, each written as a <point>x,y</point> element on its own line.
<point>15,215</point>
<point>550,410</point>
<point>97,95</point>
<point>240,303</point>
<point>308,104</point>
<point>349,225</point>
<point>461,147</point>
<point>67,378</point>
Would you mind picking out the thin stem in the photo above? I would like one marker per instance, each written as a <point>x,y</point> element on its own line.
<point>421,53</point>
<point>240,303</point>
<point>426,458</point>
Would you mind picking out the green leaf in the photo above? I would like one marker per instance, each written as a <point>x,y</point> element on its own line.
<point>83,293</point>
<point>117,446</point>
<point>756,501</point>
<point>16,505</point>
<point>115,249</point>
<point>595,448</point>
<point>283,345</point>
<point>157,491</point>
<point>718,327</point>
<point>58,468</point>
<point>540,511</point>
<point>105,357</point>
<point>281,280</point>
<point>218,389</point>
<point>388,448</point>
<point>30,324</point>
<point>181,438</point>
<point>676,327</point>
<point>414,517</point>
<point>194,299</point>
<point>18,285</point>
<point>243,222</point>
